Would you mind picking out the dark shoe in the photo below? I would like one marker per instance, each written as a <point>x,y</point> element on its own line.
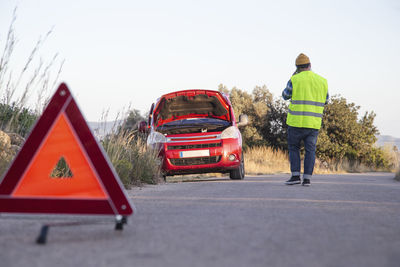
<point>306,182</point>
<point>293,180</point>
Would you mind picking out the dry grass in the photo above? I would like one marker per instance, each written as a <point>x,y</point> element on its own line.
<point>265,160</point>
<point>393,155</point>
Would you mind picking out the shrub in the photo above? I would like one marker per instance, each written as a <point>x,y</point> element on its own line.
<point>148,164</point>
<point>134,162</point>
<point>345,137</point>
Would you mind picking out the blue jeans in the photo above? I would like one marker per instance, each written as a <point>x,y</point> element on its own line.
<point>309,136</point>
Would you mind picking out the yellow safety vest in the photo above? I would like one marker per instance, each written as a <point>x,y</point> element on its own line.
<point>308,100</point>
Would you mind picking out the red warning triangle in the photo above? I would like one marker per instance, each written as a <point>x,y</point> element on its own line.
<point>37,180</point>
<point>62,132</point>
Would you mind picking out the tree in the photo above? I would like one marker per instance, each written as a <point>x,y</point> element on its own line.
<point>255,106</point>
<point>132,120</point>
<point>344,136</point>
<point>275,128</point>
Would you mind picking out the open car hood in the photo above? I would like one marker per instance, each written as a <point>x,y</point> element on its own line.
<point>191,104</point>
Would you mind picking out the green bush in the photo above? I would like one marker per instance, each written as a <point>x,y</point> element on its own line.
<point>344,136</point>
<point>255,106</point>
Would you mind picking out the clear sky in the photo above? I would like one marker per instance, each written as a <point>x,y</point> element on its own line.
<point>130,52</point>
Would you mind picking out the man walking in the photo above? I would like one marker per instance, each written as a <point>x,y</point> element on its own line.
<point>308,93</point>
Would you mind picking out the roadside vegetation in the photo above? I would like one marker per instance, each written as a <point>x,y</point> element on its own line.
<point>134,162</point>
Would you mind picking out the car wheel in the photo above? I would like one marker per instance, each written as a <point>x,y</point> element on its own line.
<point>238,174</point>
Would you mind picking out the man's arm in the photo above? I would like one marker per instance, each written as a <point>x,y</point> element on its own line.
<point>287,92</point>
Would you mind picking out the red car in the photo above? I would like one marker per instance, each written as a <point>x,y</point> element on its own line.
<point>196,132</point>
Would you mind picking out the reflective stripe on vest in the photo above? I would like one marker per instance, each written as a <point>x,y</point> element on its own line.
<point>308,100</point>
<point>305,102</point>
<point>305,113</point>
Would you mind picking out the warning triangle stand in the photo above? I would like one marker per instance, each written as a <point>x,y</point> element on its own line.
<point>62,140</point>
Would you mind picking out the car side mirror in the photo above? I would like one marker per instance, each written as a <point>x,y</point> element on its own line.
<point>243,120</point>
<point>142,127</point>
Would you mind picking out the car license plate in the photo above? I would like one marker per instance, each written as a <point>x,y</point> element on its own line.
<point>194,153</point>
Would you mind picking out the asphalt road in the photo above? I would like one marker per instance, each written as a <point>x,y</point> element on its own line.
<point>341,220</point>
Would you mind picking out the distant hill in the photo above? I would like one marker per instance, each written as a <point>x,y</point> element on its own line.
<point>387,139</point>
